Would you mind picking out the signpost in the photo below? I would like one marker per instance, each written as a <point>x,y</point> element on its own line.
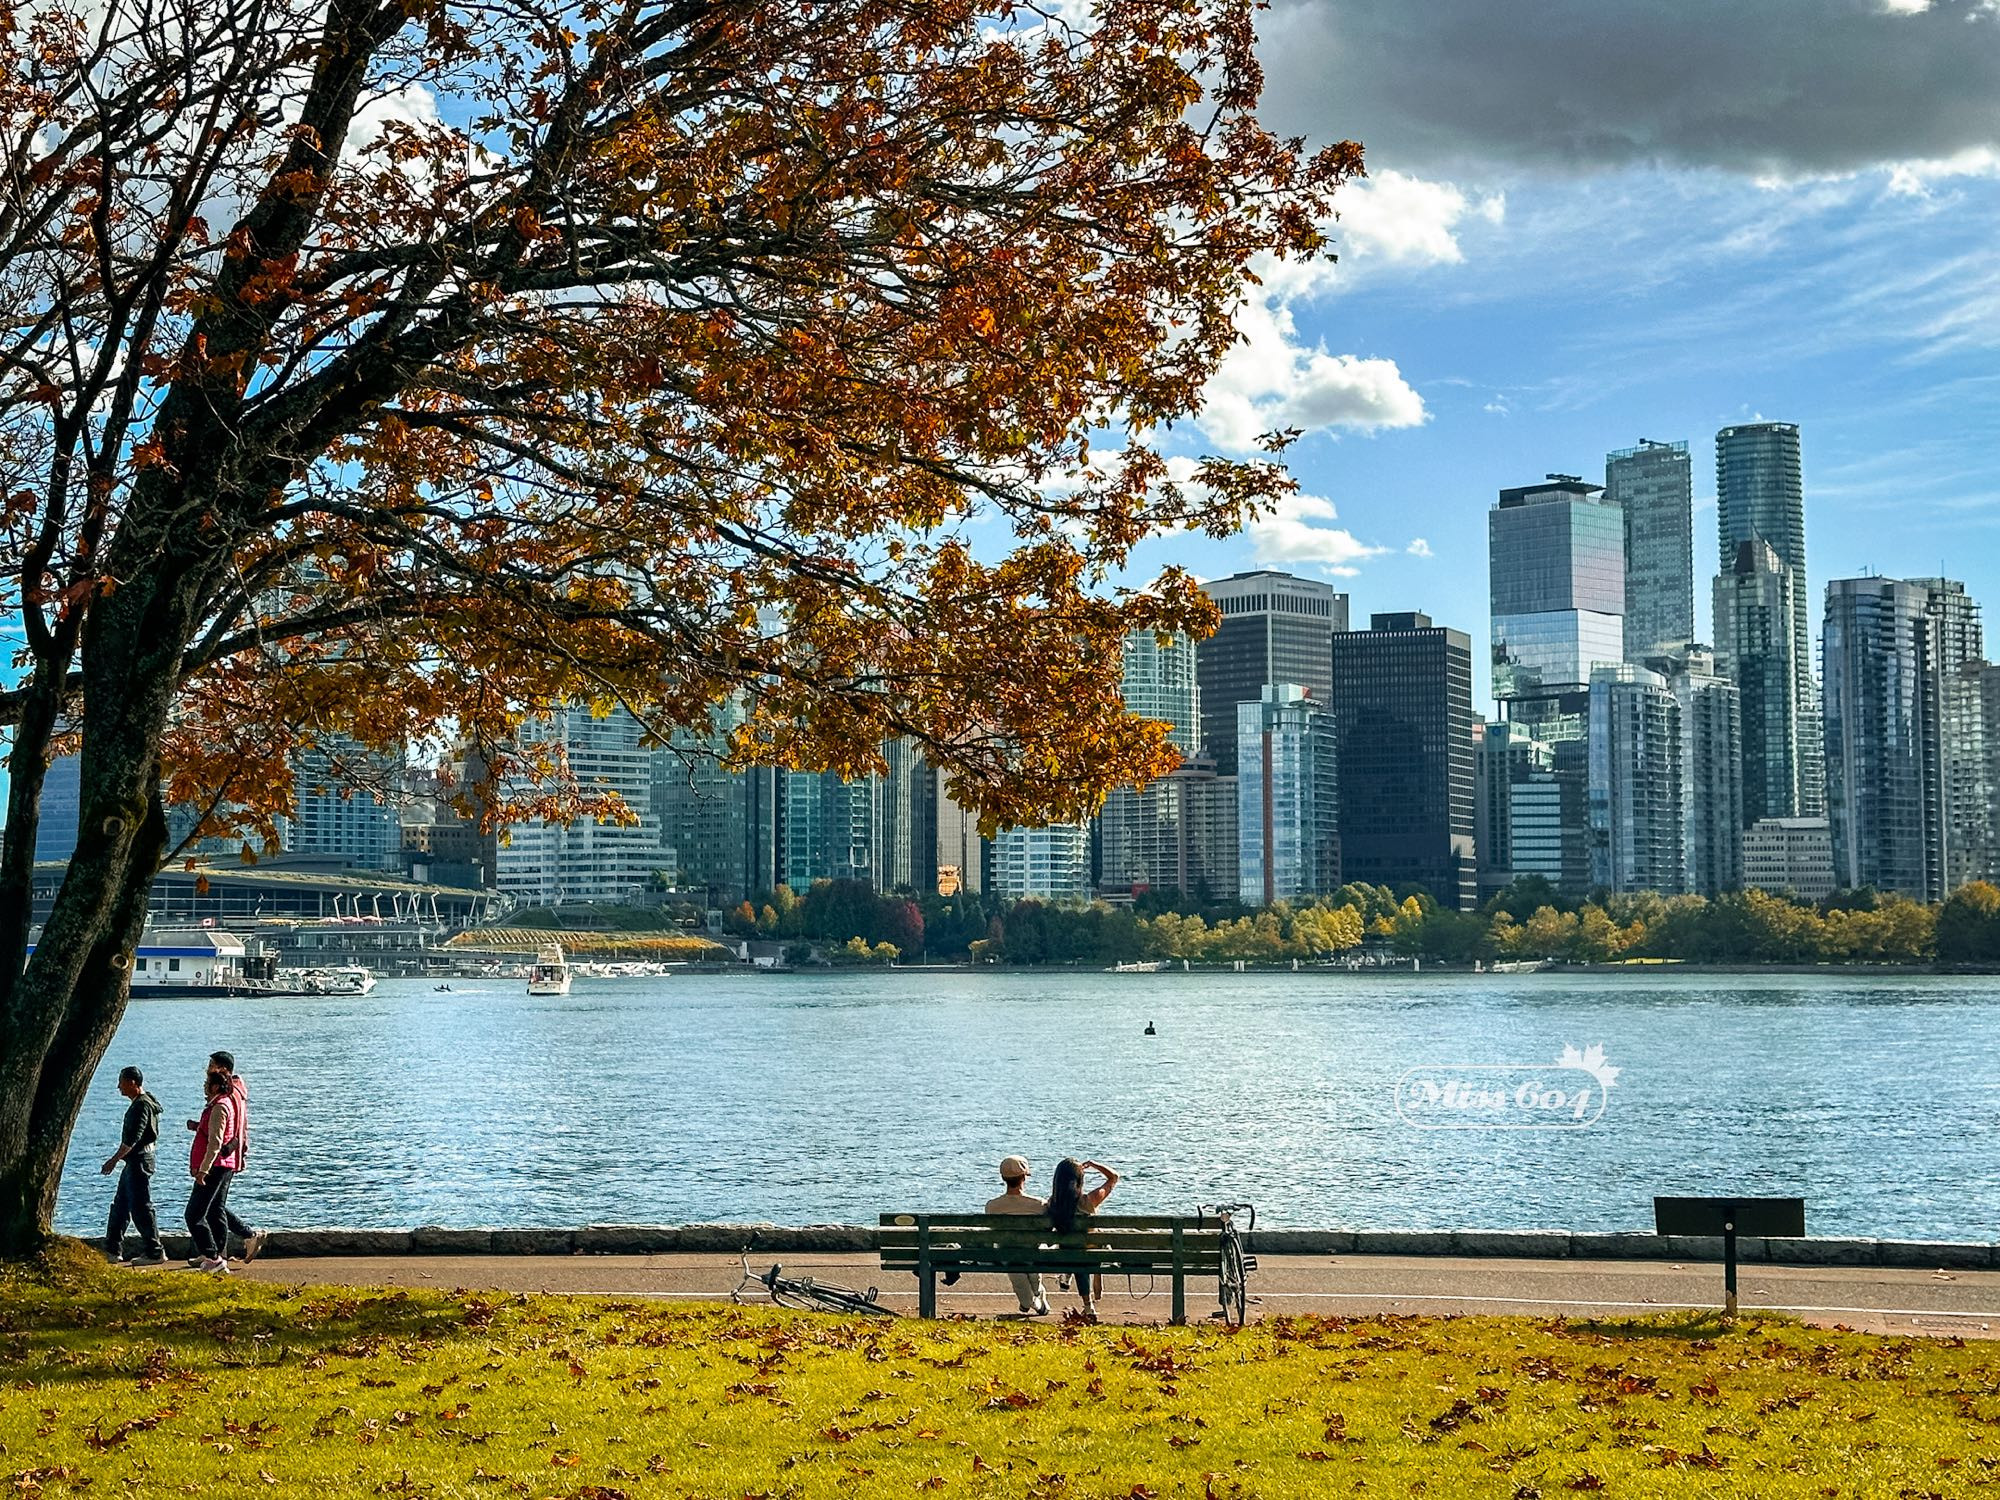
<point>1781,1218</point>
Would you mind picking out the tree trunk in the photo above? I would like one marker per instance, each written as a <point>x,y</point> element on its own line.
<point>62,1011</point>
<point>36,1122</point>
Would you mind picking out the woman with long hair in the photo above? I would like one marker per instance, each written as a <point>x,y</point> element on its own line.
<point>1069,1201</point>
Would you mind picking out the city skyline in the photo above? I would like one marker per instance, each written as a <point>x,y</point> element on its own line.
<point>1789,223</point>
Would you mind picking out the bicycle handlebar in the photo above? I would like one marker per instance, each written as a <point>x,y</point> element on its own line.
<point>1225,1210</point>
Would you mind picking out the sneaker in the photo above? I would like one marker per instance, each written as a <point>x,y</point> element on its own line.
<point>1040,1309</point>
<point>252,1243</point>
<point>1062,1282</point>
<point>195,1262</point>
<point>215,1266</point>
<point>137,1262</point>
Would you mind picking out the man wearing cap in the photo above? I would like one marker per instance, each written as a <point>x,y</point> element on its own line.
<point>1027,1284</point>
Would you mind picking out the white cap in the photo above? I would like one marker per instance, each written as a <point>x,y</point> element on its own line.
<point>1013,1166</point>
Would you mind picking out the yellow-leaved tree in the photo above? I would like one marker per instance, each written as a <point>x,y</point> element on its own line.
<point>383,371</point>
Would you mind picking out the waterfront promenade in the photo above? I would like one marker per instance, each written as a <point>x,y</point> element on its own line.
<point>1875,1299</point>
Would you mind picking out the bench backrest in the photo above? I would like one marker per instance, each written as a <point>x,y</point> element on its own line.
<point>1110,1242</point>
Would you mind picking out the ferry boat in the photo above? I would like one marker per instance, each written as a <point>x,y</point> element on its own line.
<point>550,975</point>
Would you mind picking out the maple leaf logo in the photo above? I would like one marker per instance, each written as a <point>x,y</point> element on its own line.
<point>1590,1060</point>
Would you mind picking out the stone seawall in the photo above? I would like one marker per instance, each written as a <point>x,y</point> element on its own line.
<point>1531,1244</point>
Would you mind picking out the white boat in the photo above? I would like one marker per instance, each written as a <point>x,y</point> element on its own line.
<point>337,979</point>
<point>550,975</point>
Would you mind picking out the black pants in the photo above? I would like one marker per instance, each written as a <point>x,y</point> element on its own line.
<point>133,1204</point>
<point>208,1212</point>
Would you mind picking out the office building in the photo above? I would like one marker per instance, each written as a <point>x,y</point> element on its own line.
<point>1653,486</point>
<point>1891,646</point>
<point>1636,781</point>
<point>1503,753</point>
<point>1548,811</point>
<point>1402,715</point>
<point>607,854</point>
<point>1046,864</point>
<point>829,828</point>
<point>1789,855</point>
<point>1275,628</point>
<point>346,804</point>
<point>1756,649</point>
<point>1556,560</point>
<point>1287,798</point>
<point>1972,774</point>
<point>905,835</point>
<point>721,823</point>
<point>1711,772</point>
<point>1141,836</point>
<point>962,855</point>
<point>1760,497</point>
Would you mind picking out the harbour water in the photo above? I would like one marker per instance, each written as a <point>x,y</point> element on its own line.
<point>829,1097</point>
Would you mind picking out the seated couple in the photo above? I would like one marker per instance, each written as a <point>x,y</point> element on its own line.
<point>1067,1201</point>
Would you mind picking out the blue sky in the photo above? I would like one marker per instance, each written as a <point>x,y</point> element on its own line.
<point>1585,225</point>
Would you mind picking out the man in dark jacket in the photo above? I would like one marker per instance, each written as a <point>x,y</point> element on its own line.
<point>133,1202</point>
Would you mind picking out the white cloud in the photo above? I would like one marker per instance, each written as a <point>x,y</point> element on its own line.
<point>1270,380</point>
<point>1905,7</point>
<point>1407,220</point>
<point>1913,179</point>
<point>1419,548</point>
<point>1294,533</point>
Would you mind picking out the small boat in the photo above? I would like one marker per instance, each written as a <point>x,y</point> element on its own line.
<point>339,979</point>
<point>550,975</point>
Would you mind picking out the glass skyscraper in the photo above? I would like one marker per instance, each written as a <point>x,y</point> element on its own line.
<point>1556,557</point>
<point>1142,838</point>
<point>1892,647</point>
<point>1636,781</point>
<point>1275,628</point>
<point>1402,711</point>
<point>1653,486</point>
<point>1287,798</point>
<point>1760,497</point>
<point>1754,647</point>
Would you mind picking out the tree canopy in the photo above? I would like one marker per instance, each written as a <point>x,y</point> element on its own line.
<point>382,369</point>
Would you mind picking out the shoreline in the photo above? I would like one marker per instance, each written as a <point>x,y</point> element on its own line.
<point>1511,1244</point>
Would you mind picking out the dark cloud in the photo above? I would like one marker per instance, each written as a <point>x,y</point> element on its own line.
<point>1780,86</point>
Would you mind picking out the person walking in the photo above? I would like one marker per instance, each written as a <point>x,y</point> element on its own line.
<point>1016,1200</point>
<point>249,1239</point>
<point>212,1164</point>
<point>132,1202</point>
<point>1069,1202</point>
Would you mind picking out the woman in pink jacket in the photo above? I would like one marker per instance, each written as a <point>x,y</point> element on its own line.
<point>213,1162</point>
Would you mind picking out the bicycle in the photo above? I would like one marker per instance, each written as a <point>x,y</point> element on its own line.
<point>1233,1282</point>
<point>808,1293</point>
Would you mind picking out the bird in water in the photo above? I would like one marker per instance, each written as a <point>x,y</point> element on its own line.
<point>1149,1029</point>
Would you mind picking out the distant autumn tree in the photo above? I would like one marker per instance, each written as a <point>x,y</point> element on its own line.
<point>377,371</point>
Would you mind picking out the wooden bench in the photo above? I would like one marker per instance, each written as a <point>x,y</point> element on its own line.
<point>1107,1244</point>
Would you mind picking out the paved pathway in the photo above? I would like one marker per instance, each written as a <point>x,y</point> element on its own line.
<point>1942,1303</point>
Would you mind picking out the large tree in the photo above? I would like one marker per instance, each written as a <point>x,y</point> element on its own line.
<point>381,370</point>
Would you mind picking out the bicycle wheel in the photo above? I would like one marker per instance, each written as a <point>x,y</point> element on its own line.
<point>840,1299</point>
<point>1233,1290</point>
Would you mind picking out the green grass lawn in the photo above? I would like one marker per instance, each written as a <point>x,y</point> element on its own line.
<point>167,1382</point>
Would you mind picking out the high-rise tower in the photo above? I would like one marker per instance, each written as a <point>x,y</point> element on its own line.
<point>1275,628</point>
<point>1653,485</point>
<point>1556,561</point>
<point>1760,496</point>
<point>1402,711</point>
<point>1892,648</point>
